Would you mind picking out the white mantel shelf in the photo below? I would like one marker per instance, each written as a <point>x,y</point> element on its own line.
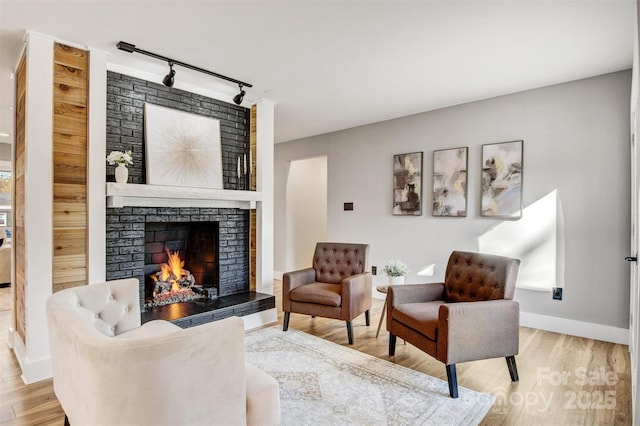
<point>136,195</point>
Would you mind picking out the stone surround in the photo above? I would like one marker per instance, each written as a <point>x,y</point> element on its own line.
<point>126,242</point>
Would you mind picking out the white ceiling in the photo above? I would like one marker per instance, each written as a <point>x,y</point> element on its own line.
<point>332,65</point>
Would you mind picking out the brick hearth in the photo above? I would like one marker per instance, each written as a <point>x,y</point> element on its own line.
<point>189,314</point>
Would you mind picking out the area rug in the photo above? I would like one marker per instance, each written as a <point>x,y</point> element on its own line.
<point>322,383</point>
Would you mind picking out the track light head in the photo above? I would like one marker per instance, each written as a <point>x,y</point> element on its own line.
<point>169,78</point>
<point>237,99</point>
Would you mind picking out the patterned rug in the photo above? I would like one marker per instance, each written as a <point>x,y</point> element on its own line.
<point>322,383</point>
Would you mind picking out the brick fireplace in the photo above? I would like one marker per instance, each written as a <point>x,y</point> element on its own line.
<point>128,229</point>
<point>135,230</point>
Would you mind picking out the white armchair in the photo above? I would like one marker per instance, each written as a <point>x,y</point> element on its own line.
<point>110,370</point>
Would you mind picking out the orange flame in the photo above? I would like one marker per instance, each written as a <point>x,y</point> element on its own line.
<point>172,269</point>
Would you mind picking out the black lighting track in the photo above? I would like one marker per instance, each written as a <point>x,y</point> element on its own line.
<point>128,47</point>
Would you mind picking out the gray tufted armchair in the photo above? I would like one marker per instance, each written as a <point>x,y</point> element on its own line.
<point>470,316</point>
<point>336,286</point>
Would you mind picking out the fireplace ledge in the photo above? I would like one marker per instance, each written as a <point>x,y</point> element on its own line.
<point>137,195</point>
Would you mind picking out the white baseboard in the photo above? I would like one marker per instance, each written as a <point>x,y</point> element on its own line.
<point>259,319</point>
<point>10,337</point>
<point>589,330</point>
<point>33,370</point>
<point>277,275</point>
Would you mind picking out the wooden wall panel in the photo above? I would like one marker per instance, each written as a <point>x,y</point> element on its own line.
<point>69,192</point>
<point>69,215</point>
<point>253,138</point>
<point>70,100</point>
<point>69,270</point>
<point>18,196</point>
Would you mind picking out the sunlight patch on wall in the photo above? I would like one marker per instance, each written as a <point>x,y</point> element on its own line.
<point>537,239</point>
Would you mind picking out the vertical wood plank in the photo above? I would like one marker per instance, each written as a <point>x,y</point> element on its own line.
<point>18,197</point>
<point>253,138</point>
<point>70,122</point>
<point>253,145</point>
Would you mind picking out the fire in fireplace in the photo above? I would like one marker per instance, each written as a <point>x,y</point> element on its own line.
<point>181,262</point>
<point>173,284</point>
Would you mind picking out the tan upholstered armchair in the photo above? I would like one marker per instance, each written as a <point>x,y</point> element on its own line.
<point>110,370</point>
<point>470,316</point>
<point>336,286</point>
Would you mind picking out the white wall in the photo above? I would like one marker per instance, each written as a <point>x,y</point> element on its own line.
<point>306,212</point>
<point>576,140</point>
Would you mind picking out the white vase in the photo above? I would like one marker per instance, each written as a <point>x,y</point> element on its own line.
<point>122,173</point>
<point>396,280</point>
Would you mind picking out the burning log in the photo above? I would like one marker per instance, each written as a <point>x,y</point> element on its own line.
<point>173,283</point>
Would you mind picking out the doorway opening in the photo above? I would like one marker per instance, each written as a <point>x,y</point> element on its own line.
<point>306,210</point>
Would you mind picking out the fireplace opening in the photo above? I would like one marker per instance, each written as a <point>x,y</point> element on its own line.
<point>181,262</point>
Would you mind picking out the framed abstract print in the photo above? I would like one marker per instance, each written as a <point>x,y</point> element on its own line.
<point>407,184</point>
<point>450,182</point>
<point>502,180</point>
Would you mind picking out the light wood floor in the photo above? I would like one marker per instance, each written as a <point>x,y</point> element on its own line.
<point>563,379</point>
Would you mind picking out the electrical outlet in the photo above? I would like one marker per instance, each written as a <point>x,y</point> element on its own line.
<point>374,270</point>
<point>557,293</point>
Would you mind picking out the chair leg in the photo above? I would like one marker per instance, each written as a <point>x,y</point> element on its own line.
<point>452,378</point>
<point>350,332</point>
<point>366,318</point>
<point>513,369</point>
<point>392,344</point>
<point>66,421</point>
<point>285,326</point>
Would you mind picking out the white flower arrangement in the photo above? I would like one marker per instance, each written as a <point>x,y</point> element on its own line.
<point>119,157</point>
<point>395,268</point>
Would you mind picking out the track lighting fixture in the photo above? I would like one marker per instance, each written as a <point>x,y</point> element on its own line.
<point>170,78</point>
<point>237,99</point>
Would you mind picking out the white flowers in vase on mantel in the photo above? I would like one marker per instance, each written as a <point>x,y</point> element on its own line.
<point>122,159</point>
<point>395,270</point>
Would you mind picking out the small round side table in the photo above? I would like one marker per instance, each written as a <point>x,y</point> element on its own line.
<point>382,289</point>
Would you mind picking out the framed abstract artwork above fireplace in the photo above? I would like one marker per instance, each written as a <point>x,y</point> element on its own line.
<point>182,149</point>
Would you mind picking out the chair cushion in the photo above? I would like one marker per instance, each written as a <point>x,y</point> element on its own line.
<point>319,293</point>
<point>422,317</point>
